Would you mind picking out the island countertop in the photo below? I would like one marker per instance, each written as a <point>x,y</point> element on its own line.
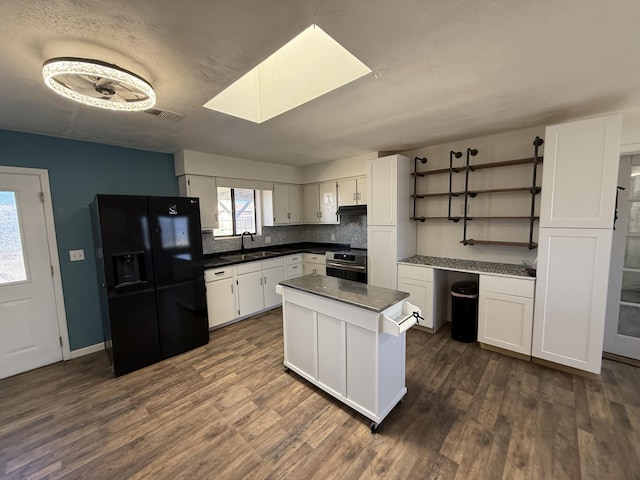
<point>361,295</point>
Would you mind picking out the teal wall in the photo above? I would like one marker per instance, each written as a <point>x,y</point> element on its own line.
<point>77,171</point>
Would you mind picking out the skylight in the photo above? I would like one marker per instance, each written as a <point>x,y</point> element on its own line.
<point>307,67</point>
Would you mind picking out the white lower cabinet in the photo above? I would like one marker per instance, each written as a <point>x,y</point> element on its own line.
<point>293,266</point>
<point>221,295</point>
<point>505,312</point>
<point>257,284</point>
<point>428,290</point>
<point>314,263</point>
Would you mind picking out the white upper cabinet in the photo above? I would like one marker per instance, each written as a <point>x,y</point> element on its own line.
<point>580,172</point>
<point>320,202</point>
<point>383,183</point>
<point>287,204</point>
<point>205,189</point>
<point>352,191</point>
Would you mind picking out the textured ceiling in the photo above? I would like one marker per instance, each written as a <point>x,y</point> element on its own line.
<point>447,70</point>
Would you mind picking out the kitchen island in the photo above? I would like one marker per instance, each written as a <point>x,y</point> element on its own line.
<point>348,338</point>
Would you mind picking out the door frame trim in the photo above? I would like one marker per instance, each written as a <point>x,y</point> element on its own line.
<point>61,314</point>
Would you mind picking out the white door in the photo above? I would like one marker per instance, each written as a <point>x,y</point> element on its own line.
<point>271,278</point>
<point>29,331</point>
<point>622,325</point>
<point>250,293</point>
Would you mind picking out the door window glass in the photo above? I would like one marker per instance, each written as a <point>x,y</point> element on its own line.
<point>12,267</point>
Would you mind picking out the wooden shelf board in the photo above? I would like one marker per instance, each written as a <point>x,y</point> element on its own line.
<point>479,166</point>
<point>471,241</point>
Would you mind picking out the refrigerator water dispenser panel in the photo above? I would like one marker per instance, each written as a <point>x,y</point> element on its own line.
<point>129,268</point>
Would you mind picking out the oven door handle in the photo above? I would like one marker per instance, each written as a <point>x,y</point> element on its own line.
<point>352,268</point>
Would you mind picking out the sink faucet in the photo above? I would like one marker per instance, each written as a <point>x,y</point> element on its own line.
<point>242,240</point>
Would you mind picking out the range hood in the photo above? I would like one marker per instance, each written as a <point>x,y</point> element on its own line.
<point>352,210</point>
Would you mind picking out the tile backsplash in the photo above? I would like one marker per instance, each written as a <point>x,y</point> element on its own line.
<point>352,230</point>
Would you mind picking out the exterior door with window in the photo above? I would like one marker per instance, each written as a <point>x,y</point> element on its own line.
<point>29,332</point>
<point>622,325</point>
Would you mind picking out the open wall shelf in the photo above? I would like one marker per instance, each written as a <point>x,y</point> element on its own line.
<point>532,190</point>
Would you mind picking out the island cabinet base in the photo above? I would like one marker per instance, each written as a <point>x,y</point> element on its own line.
<point>356,355</point>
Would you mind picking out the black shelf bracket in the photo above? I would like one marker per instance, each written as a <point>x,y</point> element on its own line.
<point>537,143</point>
<point>471,152</point>
<point>451,194</point>
<point>422,160</point>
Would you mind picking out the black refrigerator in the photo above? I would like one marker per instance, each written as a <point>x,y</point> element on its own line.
<point>151,277</point>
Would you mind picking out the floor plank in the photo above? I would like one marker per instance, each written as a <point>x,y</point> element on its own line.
<point>228,410</point>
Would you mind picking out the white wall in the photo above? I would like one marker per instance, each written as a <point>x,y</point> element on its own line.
<point>442,237</point>
<point>343,168</point>
<point>200,163</point>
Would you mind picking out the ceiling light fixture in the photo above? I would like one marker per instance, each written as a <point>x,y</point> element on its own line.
<point>98,84</point>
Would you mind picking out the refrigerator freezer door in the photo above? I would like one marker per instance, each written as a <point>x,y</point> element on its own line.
<point>133,341</point>
<point>182,317</point>
<point>176,239</point>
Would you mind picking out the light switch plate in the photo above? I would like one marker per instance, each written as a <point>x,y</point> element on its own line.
<point>76,255</point>
<point>267,239</point>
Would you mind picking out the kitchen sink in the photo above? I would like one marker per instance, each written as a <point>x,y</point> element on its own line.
<point>238,257</point>
<point>262,254</point>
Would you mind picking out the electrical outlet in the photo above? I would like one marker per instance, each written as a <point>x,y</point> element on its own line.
<point>76,255</point>
<point>333,237</point>
<point>267,239</point>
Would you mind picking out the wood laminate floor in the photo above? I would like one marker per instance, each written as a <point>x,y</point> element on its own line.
<point>229,411</point>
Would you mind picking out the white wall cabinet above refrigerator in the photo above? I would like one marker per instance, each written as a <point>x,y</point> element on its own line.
<point>206,190</point>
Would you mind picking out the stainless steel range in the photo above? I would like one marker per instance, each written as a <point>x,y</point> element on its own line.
<point>349,264</point>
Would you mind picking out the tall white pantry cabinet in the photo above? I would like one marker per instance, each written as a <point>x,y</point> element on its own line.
<point>391,234</point>
<point>577,210</point>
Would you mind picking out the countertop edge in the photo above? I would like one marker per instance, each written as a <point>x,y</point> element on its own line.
<point>509,270</point>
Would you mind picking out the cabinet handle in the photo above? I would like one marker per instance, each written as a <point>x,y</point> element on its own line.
<point>265,280</point>
<point>354,196</point>
<point>288,215</point>
<point>219,273</point>
<point>232,288</point>
<point>294,266</point>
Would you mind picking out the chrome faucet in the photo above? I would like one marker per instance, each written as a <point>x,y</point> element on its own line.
<point>242,240</point>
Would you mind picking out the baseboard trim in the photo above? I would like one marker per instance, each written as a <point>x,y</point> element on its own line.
<point>81,352</point>
<point>621,359</point>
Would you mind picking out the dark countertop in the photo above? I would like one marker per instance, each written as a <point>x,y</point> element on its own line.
<point>215,260</point>
<point>358,294</point>
<point>472,266</point>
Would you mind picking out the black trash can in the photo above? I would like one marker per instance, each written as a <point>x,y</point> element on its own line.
<point>464,311</point>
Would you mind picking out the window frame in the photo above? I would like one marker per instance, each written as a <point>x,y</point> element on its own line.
<point>234,225</point>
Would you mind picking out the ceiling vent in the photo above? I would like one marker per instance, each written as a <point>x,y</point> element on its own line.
<point>166,114</point>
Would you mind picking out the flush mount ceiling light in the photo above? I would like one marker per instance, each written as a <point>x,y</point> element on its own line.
<point>310,65</point>
<point>98,84</point>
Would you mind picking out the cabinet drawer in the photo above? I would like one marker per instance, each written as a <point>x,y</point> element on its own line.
<point>313,258</point>
<point>293,259</point>
<point>273,263</point>
<point>511,286</point>
<point>248,267</point>
<point>293,270</point>
<point>213,274</point>
<point>415,272</point>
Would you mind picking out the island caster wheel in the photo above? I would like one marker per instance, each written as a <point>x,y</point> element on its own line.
<point>286,369</point>
<point>374,427</point>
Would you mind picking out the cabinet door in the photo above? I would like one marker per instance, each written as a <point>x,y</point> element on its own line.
<point>221,301</point>
<point>280,203</point>
<point>505,321</point>
<point>383,191</point>
<point>300,345</point>
<point>295,203</point>
<point>250,296</point>
<point>205,189</point>
<point>361,190</point>
<point>332,353</point>
<point>310,206</point>
<point>580,173</point>
<point>347,192</point>
<point>361,366</point>
<point>382,247</point>
<point>421,295</point>
<point>328,201</point>
<point>271,278</point>
<point>570,300</point>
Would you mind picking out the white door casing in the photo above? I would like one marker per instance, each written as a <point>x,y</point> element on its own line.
<point>33,329</point>
<point>622,333</point>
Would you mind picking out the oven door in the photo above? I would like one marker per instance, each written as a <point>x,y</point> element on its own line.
<point>357,273</point>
